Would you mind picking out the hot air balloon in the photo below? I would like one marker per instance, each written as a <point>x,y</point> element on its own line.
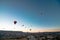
<point>22,25</point>
<point>30,29</point>
<point>41,14</point>
<point>15,22</point>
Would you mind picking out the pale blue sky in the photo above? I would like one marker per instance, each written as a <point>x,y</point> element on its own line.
<point>28,12</point>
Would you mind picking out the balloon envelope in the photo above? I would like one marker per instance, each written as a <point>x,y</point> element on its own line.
<point>30,29</point>
<point>15,22</point>
<point>22,25</point>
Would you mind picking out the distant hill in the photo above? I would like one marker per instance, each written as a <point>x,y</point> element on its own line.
<point>19,34</point>
<point>11,34</point>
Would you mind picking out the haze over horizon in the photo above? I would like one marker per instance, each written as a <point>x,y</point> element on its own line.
<point>38,15</point>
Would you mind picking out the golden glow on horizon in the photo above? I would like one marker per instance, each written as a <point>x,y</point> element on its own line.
<point>6,25</point>
<point>27,30</point>
<point>43,30</point>
<point>10,27</point>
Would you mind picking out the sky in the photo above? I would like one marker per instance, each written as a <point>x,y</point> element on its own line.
<point>38,15</point>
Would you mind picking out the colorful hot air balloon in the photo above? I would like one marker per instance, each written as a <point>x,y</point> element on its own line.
<point>15,22</point>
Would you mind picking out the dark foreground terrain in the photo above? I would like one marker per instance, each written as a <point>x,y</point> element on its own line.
<point>18,35</point>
